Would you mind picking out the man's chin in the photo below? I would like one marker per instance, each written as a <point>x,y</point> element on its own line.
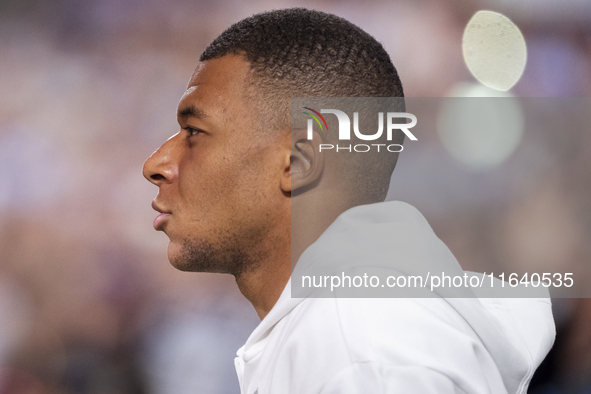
<point>202,255</point>
<point>177,258</point>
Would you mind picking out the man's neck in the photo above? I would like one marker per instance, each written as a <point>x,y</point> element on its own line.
<point>310,216</point>
<point>263,285</point>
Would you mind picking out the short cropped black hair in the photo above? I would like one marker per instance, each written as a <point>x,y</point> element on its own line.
<point>311,53</point>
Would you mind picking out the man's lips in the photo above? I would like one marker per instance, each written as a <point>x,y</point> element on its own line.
<point>160,219</point>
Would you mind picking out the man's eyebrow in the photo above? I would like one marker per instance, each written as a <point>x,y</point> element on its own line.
<point>192,111</point>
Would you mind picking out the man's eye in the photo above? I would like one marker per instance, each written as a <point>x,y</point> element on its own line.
<point>192,131</point>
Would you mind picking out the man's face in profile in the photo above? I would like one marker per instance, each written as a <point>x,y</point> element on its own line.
<point>216,176</point>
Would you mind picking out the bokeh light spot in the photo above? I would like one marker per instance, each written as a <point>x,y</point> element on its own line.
<point>480,127</point>
<point>494,50</point>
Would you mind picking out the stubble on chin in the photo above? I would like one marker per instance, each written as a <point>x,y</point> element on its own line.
<point>201,255</point>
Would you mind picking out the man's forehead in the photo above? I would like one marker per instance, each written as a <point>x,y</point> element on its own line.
<point>187,95</point>
<point>217,79</point>
<point>195,76</point>
<point>227,71</point>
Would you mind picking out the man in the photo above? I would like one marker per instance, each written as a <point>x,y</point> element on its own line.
<point>236,182</point>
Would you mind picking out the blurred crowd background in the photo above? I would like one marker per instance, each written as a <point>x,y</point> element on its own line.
<point>88,89</point>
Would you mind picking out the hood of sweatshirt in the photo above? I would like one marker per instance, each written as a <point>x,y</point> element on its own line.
<point>394,237</point>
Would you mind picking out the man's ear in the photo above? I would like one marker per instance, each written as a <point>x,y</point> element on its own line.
<point>306,162</point>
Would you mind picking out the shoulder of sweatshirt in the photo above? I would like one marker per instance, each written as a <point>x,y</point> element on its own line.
<point>387,330</point>
<point>428,334</point>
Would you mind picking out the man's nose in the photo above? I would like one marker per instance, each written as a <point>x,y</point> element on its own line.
<point>161,167</point>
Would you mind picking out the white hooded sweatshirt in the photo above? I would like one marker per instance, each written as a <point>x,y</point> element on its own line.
<point>393,345</point>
